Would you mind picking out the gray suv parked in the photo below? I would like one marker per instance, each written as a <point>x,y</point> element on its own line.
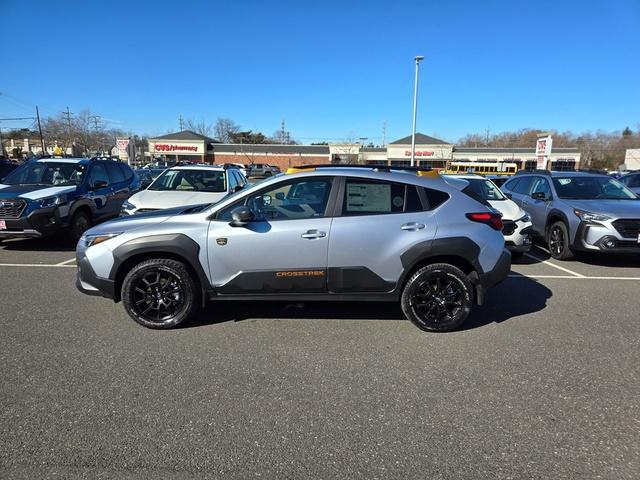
<point>368,234</point>
<point>578,211</point>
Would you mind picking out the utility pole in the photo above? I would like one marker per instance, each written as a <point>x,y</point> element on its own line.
<point>44,151</point>
<point>282,132</point>
<point>486,138</point>
<point>96,127</point>
<point>384,134</point>
<point>181,122</point>
<point>67,114</point>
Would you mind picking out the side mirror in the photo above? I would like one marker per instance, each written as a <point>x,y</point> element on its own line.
<point>240,216</point>
<point>99,184</point>
<point>539,196</point>
<point>280,195</point>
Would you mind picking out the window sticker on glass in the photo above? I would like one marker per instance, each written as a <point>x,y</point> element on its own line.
<point>564,181</point>
<point>368,197</point>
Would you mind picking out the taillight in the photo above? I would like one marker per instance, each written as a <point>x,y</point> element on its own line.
<point>494,220</point>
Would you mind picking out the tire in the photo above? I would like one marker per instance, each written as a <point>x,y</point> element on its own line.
<point>80,223</point>
<point>160,293</point>
<point>267,174</point>
<point>437,298</point>
<point>558,241</point>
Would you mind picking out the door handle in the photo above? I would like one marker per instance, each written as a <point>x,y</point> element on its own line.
<point>311,234</point>
<point>412,226</point>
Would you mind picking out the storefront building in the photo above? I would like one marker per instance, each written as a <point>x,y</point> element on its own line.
<point>429,151</point>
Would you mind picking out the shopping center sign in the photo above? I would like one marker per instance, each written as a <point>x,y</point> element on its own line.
<point>419,153</point>
<point>543,150</point>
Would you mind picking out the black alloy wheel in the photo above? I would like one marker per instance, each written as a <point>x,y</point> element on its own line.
<point>438,297</point>
<point>160,293</point>
<point>558,241</point>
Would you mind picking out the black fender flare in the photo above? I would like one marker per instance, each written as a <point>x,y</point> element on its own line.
<point>176,244</point>
<point>556,213</point>
<point>85,202</point>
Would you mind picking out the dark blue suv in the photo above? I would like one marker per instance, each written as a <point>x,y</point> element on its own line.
<point>41,197</point>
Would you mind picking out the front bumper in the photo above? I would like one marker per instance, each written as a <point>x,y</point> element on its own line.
<point>596,237</point>
<point>39,223</point>
<point>520,241</point>
<point>91,284</point>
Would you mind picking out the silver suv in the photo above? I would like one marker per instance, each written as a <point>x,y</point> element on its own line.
<point>348,233</point>
<point>578,211</point>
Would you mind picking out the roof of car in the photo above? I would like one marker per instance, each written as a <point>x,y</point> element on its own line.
<point>63,160</point>
<point>560,173</point>
<point>465,176</point>
<point>215,168</point>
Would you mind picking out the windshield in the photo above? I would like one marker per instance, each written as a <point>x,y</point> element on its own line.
<point>483,189</point>
<point>46,173</point>
<point>191,180</point>
<point>592,188</point>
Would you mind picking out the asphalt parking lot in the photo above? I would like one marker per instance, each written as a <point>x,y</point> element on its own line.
<point>544,382</point>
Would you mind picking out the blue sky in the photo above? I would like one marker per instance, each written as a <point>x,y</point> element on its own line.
<point>332,70</point>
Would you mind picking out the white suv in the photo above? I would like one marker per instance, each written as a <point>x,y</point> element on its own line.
<point>517,226</point>
<point>187,185</point>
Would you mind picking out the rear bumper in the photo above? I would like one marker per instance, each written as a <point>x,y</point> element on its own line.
<point>486,280</point>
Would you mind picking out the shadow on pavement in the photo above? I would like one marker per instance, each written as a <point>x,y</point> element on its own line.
<point>599,259</point>
<point>512,298</point>
<point>58,243</point>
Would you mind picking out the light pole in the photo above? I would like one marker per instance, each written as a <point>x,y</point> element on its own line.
<point>417,59</point>
<point>361,156</point>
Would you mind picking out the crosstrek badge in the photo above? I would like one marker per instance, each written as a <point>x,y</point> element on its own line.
<point>304,273</point>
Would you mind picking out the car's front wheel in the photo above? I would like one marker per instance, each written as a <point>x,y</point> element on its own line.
<point>80,223</point>
<point>437,297</point>
<point>160,293</point>
<point>558,241</point>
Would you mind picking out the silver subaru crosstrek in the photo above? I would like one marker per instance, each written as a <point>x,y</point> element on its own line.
<point>338,233</point>
<point>578,211</point>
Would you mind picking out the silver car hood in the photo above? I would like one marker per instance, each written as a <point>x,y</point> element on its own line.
<point>126,224</point>
<point>612,208</point>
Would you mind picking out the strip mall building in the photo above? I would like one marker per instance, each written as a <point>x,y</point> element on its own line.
<point>431,152</point>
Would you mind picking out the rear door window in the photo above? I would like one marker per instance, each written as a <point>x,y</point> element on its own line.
<point>115,173</point>
<point>372,197</point>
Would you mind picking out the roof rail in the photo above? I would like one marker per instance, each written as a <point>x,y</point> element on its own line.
<point>539,171</point>
<point>381,167</point>
<point>591,170</point>
<point>227,166</point>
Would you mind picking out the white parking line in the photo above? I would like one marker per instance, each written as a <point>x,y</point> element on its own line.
<point>573,277</point>
<point>35,265</point>
<point>546,262</point>
<point>66,261</point>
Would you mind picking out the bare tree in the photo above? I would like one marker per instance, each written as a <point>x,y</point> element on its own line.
<point>199,126</point>
<point>225,129</point>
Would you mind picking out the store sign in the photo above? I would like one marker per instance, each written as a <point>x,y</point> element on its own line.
<point>419,153</point>
<point>122,144</point>
<point>543,146</point>
<point>166,147</point>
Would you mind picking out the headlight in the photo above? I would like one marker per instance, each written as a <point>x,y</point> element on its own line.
<point>525,218</point>
<point>590,217</point>
<point>128,206</point>
<point>91,240</point>
<point>52,201</point>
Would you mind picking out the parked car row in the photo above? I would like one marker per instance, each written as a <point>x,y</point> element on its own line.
<point>44,197</point>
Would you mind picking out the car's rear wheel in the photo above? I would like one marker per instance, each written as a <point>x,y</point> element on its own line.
<point>80,223</point>
<point>558,241</point>
<point>160,293</point>
<point>437,298</point>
